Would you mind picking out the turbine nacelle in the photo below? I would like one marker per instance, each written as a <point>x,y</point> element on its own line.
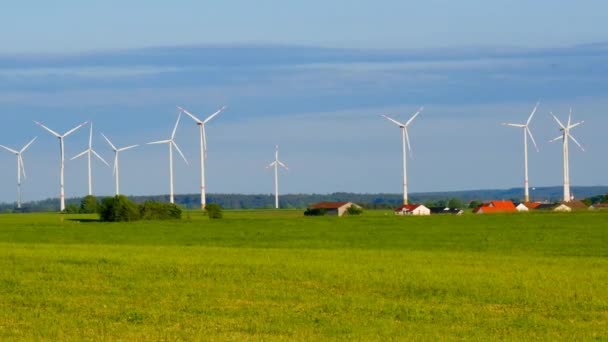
<point>404,126</point>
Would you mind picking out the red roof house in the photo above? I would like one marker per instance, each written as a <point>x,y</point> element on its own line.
<point>334,208</point>
<point>413,209</point>
<point>495,207</point>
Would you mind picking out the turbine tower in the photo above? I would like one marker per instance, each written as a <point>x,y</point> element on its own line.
<point>20,167</point>
<point>276,163</point>
<point>116,168</point>
<point>172,144</point>
<point>203,138</point>
<point>61,137</point>
<point>90,151</point>
<point>527,132</point>
<point>566,137</point>
<point>405,138</point>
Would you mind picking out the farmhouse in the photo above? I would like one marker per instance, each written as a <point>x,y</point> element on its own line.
<point>576,205</point>
<point>495,207</point>
<point>558,207</point>
<point>564,206</point>
<point>599,206</point>
<point>334,208</point>
<point>413,209</point>
<point>527,206</point>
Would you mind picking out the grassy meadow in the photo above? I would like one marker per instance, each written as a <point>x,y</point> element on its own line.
<point>276,275</point>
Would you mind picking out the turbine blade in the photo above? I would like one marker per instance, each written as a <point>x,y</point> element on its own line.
<point>127,148</point>
<point>115,163</point>
<point>271,164</point>
<point>99,157</point>
<point>533,112</point>
<point>48,129</point>
<point>22,166</point>
<point>514,125</point>
<point>109,142</point>
<point>28,145</point>
<point>407,137</point>
<point>198,121</point>
<point>180,152</point>
<point>576,142</point>
<point>80,154</point>
<point>558,122</point>
<point>179,116</point>
<point>576,124</point>
<point>283,165</point>
<point>570,117</point>
<point>9,149</point>
<point>532,137</point>
<point>556,139</point>
<point>204,142</point>
<point>214,114</point>
<point>91,136</point>
<point>159,142</point>
<point>414,116</point>
<point>394,121</point>
<point>74,129</point>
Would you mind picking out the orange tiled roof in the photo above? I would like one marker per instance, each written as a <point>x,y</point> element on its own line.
<point>507,205</point>
<point>532,205</point>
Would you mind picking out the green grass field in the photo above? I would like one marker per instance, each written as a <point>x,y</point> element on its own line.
<point>276,275</point>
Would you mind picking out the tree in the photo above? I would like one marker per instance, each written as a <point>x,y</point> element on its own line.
<point>214,211</point>
<point>455,203</point>
<point>118,208</point>
<point>474,204</point>
<point>152,210</point>
<point>354,210</point>
<point>71,208</point>
<point>89,205</point>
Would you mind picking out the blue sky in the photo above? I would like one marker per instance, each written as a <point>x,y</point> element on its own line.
<point>312,77</point>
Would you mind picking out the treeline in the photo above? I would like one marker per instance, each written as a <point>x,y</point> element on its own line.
<point>368,201</point>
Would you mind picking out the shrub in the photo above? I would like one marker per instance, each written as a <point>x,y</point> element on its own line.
<point>89,205</point>
<point>353,210</point>
<point>314,212</point>
<point>118,208</point>
<point>71,209</point>
<point>214,211</point>
<point>152,210</point>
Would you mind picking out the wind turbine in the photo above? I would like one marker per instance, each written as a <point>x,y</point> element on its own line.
<point>20,167</point>
<point>172,144</point>
<point>90,151</point>
<point>201,125</point>
<point>61,137</point>
<point>276,163</point>
<point>405,138</point>
<point>527,132</point>
<point>566,137</point>
<point>116,169</point>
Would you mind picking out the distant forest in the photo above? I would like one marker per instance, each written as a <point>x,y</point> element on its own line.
<point>370,201</point>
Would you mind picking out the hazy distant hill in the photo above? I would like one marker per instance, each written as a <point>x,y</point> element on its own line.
<point>241,201</point>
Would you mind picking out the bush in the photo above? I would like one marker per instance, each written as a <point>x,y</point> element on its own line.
<point>353,210</point>
<point>214,211</point>
<point>71,209</point>
<point>89,205</point>
<point>117,209</point>
<point>152,210</point>
<point>314,212</point>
